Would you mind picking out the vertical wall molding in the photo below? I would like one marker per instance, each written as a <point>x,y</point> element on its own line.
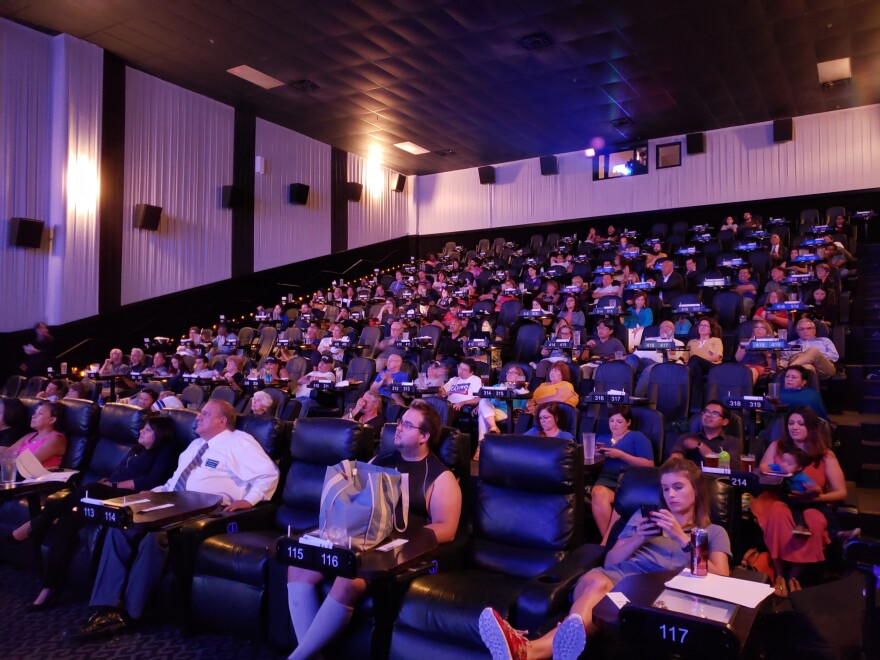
<point>243,151</point>
<point>339,205</point>
<point>110,214</point>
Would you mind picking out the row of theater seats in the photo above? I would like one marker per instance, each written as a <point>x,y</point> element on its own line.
<point>224,575</point>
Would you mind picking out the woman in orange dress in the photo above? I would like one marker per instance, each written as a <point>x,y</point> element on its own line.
<point>791,553</point>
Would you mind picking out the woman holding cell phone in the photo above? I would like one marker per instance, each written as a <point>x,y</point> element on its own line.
<point>644,546</point>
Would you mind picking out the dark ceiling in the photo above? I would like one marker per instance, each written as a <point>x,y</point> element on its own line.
<point>455,75</point>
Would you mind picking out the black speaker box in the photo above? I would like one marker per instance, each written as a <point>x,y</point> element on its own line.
<point>487,174</point>
<point>401,183</point>
<point>549,165</point>
<point>696,143</point>
<point>298,194</point>
<point>147,216</point>
<point>782,130</point>
<point>353,191</point>
<point>231,197</point>
<point>24,232</point>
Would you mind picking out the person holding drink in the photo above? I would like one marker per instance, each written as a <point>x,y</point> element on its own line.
<point>638,549</point>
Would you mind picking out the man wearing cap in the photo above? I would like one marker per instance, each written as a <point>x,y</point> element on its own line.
<point>304,393</point>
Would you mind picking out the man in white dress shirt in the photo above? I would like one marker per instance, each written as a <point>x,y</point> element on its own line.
<point>221,461</point>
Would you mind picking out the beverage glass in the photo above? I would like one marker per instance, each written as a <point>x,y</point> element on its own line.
<point>589,447</point>
<point>710,460</point>
<point>773,390</point>
<point>782,333</point>
<point>7,468</point>
<point>793,297</point>
<point>747,461</point>
<point>618,355</point>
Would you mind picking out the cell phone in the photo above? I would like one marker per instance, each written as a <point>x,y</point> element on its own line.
<point>646,510</point>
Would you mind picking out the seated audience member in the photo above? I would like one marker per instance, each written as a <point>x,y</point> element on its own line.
<point>221,461</point>
<point>233,372</point>
<point>261,403</point>
<point>838,256</point>
<point>148,464</point>
<point>326,344</point>
<point>167,399</point>
<point>605,347</point>
<point>775,283</point>
<point>547,420</point>
<point>304,392</point>
<point>729,224</point>
<point>704,352</point>
<point>829,277</point>
<point>46,443</point>
<point>623,447</point>
<point>224,343</point>
<point>435,503</point>
<point>712,437</point>
<point>640,360</point>
<point>793,266</point>
<point>137,361</point>
<point>570,314</point>
<point>113,365</point>
<point>825,308</point>
<point>816,353</point>
<point>758,362</point>
<point>75,391</point>
<point>273,372</point>
<point>608,287</point>
<point>638,317</point>
<point>747,286</point>
<point>655,254</point>
<point>792,553</point>
<point>492,411</point>
<point>195,342</point>
<point>462,389</point>
<point>55,390</point>
<point>368,411</point>
<point>390,374</point>
<point>550,297</point>
<point>777,250</point>
<point>176,370</point>
<point>639,549</point>
<point>669,283</point>
<point>551,355</point>
<point>202,370</point>
<point>693,276</point>
<point>387,312</point>
<point>13,416</point>
<point>779,318</point>
<point>450,347</point>
<point>145,398</point>
<point>796,393</point>
<point>159,367</point>
<point>387,346</point>
<point>557,387</point>
<point>436,374</point>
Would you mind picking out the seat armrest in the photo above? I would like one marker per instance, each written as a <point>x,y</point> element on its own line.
<point>546,596</point>
<point>262,516</point>
<point>862,554</point>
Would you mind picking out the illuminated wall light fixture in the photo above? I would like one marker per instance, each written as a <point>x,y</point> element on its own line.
<point>373,175</point>
<point>82,184</point>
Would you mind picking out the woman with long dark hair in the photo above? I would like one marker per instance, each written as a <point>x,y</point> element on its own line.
<point>147,465</point>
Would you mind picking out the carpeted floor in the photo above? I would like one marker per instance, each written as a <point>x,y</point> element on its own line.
<point>36,636</point>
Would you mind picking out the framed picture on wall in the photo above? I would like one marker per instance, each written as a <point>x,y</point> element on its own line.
<point>668,155</point>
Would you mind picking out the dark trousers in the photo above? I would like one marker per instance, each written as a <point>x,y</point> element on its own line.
<point>58,526</point>
<point>698,367</point>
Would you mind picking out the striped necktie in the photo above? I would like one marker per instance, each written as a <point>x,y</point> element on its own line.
<point>193,464</point>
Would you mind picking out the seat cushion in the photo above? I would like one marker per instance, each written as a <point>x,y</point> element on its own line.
<point>448,605</point>
<point>240,557</point>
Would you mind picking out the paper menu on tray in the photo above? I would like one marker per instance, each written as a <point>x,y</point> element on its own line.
<point>742,592</point>
<point>32,470</point>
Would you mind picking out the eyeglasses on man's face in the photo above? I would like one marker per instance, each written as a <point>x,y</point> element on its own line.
<point>409,426</point>
<point>714,413</point>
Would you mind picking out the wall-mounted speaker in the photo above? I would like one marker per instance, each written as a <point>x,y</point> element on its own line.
<point>783,130</point>
<point>25,232</point>
<point>696,143</point>
<point>353,191</point>
<point>401,183</point>
<point>549,165</point>
<point>147,216</point>
<point>298,193</point>
<point>487,174</point>
<point>231,197</point>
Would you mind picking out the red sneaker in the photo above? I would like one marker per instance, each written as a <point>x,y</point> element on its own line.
<point>503,642</point>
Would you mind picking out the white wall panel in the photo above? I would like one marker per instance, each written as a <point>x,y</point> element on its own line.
<point>285,233</point>
<point>832,151</point>
<point>25,159</point>
<point>381,214</point>
<point>178,155</point>
<point>78,74</point>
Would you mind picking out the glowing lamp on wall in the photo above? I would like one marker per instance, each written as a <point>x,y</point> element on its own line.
<point>374,178</point>
<point>82,184</point>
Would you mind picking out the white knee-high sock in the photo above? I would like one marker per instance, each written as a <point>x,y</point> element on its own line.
<point>332,618</point>
<point>303,603</point>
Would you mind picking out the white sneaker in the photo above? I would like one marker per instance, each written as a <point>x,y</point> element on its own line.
<point>570,638</point>
<point>503,642</point>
